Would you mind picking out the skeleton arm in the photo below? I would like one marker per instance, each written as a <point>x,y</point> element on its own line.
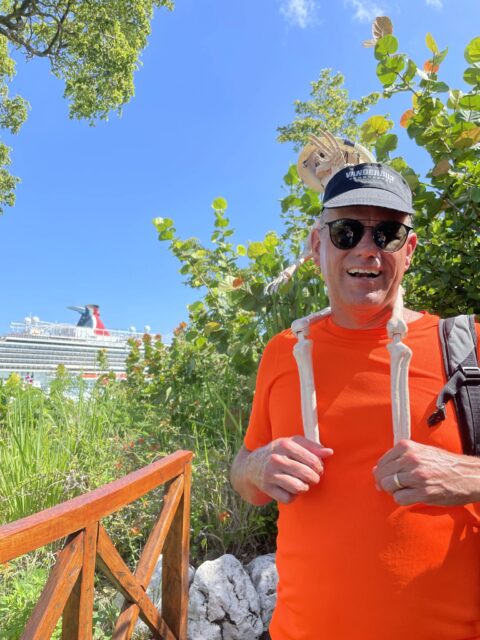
<point>302,352</point>
<point>400,356</point>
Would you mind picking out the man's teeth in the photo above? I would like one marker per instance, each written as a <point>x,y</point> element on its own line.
<point>364,273</point>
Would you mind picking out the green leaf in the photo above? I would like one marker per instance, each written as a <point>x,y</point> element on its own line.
<point>396,63</point>
<point>470,101</point>
<point>196,306</point>
<point>161,224</point>
<point>271,240</point>
<point>431,44</point>
<point>475,194</point>
<point>388,69</point>
<point>241,251</point>
<point>398,164</point>
<point>410,71</point>
<point>219,204</point>
<point>220,221</point>
<point>256,249</point>
<point>472,75</point>
<point>290,202</point>
<point>472,51</point>
<point>385,46</point>
<point>291,177</point>
<point>454,98</point>
<point>412,179</point>
<point>248,302</point>
<point>386,76</point>
<point>386,143</point>
<point>440,57</point>
<point>210,327</point>
<point>309,199</point>
<point>438,87</point>
<point>374,127</point>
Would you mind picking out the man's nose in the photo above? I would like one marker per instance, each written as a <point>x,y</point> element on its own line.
<point>367,246</point>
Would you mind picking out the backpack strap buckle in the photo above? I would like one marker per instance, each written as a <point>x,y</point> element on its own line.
<point>472,374</point>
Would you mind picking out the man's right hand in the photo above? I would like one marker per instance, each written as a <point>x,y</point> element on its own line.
<point>281,470</point>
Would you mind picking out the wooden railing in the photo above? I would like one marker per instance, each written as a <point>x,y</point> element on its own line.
<point>69,590</point>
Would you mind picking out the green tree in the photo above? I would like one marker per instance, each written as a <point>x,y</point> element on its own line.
<point>94,47</point>
<point>330,108</point>
<point>445,122</point>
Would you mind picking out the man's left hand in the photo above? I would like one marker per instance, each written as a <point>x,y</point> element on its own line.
<point>414,472</point>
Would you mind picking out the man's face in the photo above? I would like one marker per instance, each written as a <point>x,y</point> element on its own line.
<point>360,295</point>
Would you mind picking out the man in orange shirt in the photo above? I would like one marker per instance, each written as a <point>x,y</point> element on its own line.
<point>373,541</point>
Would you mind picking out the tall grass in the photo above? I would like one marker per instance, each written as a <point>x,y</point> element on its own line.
<point>52,447</point>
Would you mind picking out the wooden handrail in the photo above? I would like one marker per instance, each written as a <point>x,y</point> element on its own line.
<point>69,591</point>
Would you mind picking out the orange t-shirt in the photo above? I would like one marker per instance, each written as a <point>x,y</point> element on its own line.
<point>353,564</point>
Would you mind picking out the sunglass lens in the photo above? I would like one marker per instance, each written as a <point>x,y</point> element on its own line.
<point>390,236</point>
<point>345,234</point>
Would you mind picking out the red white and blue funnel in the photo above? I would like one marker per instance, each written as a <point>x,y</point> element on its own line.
<point>90,317</point>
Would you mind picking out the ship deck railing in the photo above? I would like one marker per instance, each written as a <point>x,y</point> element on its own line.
<point>69,332</point>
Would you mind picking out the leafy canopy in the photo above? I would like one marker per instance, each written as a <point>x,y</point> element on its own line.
<point>444,121</point>
<point>94,47</point>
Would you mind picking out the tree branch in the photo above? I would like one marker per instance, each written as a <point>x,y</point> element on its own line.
<point>17,26</point>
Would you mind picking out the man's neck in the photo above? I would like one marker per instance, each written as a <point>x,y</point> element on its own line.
<point>369,320</point>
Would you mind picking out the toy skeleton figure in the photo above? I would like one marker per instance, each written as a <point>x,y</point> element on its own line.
<point>318,162</point>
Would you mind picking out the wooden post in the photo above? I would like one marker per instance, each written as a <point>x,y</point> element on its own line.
<point>78,612</point>
<point>57,590</point>
<point>175,565</point>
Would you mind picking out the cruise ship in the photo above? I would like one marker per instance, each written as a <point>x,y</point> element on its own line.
<point>34,349</point>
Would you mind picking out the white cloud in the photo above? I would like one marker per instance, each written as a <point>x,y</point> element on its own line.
<point>300,13</point>
<point>367,11</point>
<point>437,4</point>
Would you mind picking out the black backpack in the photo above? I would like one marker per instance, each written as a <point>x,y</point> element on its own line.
<point>459,345</point>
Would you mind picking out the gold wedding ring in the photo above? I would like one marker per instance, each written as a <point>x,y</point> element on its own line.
<point>397,481</point>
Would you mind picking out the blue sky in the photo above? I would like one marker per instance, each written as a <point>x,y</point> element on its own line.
<point>217,79</point>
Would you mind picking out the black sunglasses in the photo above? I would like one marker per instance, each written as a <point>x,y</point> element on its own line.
<point>388,235</point>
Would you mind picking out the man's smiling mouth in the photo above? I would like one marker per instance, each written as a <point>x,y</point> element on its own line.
<point>363,273</point>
